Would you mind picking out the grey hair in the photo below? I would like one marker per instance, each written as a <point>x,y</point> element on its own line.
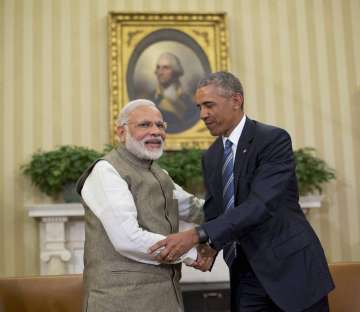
<point>225,81</point>
<point>174,62</point>
<point>130,107</point>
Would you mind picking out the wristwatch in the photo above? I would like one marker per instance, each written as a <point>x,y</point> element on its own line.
<point>203,236</point>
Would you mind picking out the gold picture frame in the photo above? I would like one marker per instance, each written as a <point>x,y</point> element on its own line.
<point>197,42</point>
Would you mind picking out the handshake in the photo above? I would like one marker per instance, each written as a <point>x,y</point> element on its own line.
<point>205,259</point>
<point>175,245</point>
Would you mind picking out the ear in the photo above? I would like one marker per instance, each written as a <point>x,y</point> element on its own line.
<point>121,133</point>
<point>237,100</point>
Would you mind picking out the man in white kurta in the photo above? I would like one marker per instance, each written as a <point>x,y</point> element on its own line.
<point>130,203</point>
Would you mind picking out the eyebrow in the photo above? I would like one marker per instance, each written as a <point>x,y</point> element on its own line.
<point>206,102</point>
<point>147,120</point>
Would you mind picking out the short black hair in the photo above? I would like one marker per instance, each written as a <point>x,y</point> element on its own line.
<point>226,81</point>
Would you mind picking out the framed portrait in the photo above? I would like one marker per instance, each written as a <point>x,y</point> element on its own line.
<point>161,57</point>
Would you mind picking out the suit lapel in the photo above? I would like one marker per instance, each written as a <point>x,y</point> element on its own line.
<point>217,155</point>
<point>242,150</point>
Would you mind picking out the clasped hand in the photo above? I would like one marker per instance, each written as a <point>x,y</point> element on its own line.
<point>205,259</point>
<point>175,245</point>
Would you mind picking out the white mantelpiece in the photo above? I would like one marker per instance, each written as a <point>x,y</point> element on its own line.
<point>62,236</point>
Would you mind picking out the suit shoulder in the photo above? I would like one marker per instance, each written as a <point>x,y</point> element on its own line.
<point>267,130</point>
<point>268,138</point>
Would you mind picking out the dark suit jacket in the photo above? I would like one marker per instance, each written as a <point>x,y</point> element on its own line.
<point>279,243</point>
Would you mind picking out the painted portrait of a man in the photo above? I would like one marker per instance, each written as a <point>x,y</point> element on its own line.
<point>176,105</point>
<point>166,72</point>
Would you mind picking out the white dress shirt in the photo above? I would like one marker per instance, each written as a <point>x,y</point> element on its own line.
<point>107,195</point>
<point>235,136</point>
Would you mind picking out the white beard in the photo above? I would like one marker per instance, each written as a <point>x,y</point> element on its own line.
<point>139,149</point>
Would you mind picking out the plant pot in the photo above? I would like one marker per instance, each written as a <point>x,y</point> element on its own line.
<point>311,200</point>
<point>69,194</point>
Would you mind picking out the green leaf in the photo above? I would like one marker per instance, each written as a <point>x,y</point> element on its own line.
<point>51,170</point>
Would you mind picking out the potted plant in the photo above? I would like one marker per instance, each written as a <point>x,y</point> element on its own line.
<point>185,168</point>
<point>312,173</point>
<point>57,171</point>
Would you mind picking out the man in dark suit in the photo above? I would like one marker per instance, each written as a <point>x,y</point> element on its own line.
<point>275,259</point>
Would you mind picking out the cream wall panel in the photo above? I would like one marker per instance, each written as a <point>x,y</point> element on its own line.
<point>48,73</point>
<point>101,41</point>
<point>297,60</point>
<point>267,64</point>
<point>353,50</point>
<point>36,77</point>
<point>65,79</point>
<point>55,20</point>
<point>325,127</point>
<point>17,145</point>
<point>2,114</point>
<point>304,75</point>
<point>286,70</point>
<point>96,109</point>
<point>245,49</point>
<point>76,72</point>
<point>337,136</point>
<point>28,86</point>
<point>85,72</point>
<point>318,219</point>
<point>8,202</point>
<point>254,10</point>
<point>346,123</point>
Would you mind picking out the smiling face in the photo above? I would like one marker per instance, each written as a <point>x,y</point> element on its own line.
<point>144,133</point>
<point>220,113</point>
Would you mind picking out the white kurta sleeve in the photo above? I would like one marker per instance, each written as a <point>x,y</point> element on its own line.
<point>190,207</point>
<point>109,198</point>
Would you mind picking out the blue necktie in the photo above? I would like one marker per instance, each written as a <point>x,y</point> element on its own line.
<point>228,194</point>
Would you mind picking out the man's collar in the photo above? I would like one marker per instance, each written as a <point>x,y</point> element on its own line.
<point>236,133</point>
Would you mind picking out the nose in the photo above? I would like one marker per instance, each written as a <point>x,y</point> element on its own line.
<point>203,113</point>
<point>155,130</point>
